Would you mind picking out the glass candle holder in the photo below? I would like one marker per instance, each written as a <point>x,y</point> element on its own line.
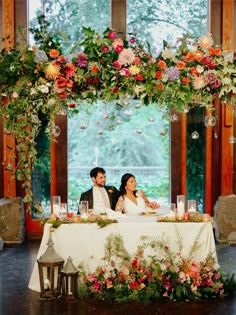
<point>55,205</point>
<point>83,209</point>
<point>192,206</point>
<point>180,210</point>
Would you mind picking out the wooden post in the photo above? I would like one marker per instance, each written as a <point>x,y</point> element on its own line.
<point>226,110</point>
<point>8,31</point>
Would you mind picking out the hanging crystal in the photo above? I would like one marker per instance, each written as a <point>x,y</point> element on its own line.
<point>210,121</point>
<point>232,140</point>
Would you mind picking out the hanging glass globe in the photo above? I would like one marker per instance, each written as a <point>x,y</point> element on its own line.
<point>195,135</point>
<point>100,131</point>
<point>137,105</point>
<point>173,117</point>
<point>56,131</point>
<point>162,131</point>
<point>151,119</point>
<point>139,131</point>
<point>83,123</point>
<point>118,121</point>
<point>210,121</point>
<point>232,140</point>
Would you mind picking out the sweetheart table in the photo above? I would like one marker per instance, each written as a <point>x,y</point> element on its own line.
<point>84,242</point>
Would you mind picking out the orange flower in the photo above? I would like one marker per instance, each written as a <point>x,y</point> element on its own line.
<point>180,65</point>
<point>62,58</point>
<point>198,55</point>
<point>160,86</point>
<point>218,51</point>
<point>161,64</point>
<point>189,56</point>
<point>94,69</point>
<point>211,51</point>
<point>69,83</point>
<point>54,53</point>
<point>52,71</point>
<point>185,80</point>
<point>136,60</point>
<point>194,71</point>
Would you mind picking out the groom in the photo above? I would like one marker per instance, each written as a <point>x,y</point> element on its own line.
<point>100,196</point>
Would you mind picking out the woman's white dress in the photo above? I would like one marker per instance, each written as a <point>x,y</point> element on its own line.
<point>132,208</point>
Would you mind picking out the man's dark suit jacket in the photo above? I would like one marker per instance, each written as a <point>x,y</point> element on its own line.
<point>112,192</point>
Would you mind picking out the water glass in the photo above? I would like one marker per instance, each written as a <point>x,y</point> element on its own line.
<point>83,209</point>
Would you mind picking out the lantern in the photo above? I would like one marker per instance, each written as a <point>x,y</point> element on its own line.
<point>50,265</point>
<point>69,280</point>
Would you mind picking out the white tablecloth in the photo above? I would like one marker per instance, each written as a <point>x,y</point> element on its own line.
<point>85,242</point>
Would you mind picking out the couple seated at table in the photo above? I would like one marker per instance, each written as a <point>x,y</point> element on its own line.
<point>127,200</point>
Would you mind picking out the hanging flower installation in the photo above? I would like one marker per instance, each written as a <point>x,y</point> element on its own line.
<point>37,83</point>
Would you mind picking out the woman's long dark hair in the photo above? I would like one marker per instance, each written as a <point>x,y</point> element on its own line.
<point>124,180</point>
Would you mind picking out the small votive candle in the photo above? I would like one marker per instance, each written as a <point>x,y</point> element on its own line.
<point>205,217</point>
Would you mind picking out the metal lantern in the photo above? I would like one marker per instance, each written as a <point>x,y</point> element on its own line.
<point>50,265</point>
<point>69,280</point>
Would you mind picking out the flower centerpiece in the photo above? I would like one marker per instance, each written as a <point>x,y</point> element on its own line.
<point>163,276</point>
<point>37,83</point>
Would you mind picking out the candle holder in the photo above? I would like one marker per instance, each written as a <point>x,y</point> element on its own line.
<point>192,206</point>
<point>56,205</point>
<point>180,210</point>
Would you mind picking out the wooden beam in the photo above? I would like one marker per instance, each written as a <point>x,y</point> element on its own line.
<point>118,16</point>
<point>8,32</point>
<point>226,110</point>
<point>208,170</point>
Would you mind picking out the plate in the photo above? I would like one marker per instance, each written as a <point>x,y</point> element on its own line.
<point>149,213</point>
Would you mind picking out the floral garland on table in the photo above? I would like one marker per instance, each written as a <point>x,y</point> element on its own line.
<point>165,276</point>
<point>38,83</point>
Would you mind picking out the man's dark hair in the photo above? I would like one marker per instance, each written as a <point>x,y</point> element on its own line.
<point>94,172</point>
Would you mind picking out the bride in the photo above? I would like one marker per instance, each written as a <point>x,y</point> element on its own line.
<point>132,200</point>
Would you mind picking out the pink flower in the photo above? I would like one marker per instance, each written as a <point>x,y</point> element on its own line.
<point>126,57</point>
<point>117,42</point>
<point>132,40</point>
<point>112,35</point>
<point>119,48</point>
<point>117,65</point>
<point>82,60</point>
<point>124,72</point>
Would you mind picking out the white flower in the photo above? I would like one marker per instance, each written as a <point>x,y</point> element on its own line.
<point>226,81</point>
<point>126,56</point>
<point>15,95</point>
<point>167,54</point>
<point>200,69</point>
<point>44,89</point>
<point>33,91</point>
<point>30,49</point>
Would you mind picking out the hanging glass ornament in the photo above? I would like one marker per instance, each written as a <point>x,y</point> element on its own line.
<point>56,131</point>
<point>195,135</point>
<point>151,119</point>
<point>210,121</point>
<point>139,131</point>
<point>83,123</point>
<point>232,140</point>
<point>173,117</point>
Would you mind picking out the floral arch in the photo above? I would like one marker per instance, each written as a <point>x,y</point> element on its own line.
<point>39,82</point>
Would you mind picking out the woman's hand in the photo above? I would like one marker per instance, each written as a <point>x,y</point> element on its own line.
<point>153,205</point>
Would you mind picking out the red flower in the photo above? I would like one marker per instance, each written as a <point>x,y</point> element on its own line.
<point>158,74</point>
<point>69,83</point>
<point>71,105</point>
<point>112,35</point>
<point>119,48</point>
<point>194,71</point>
<point>185,80</point>
<point>132,40</point>
<point>105,49</point>
<point>138,77</point>
<point>115,90</point>
<point>61,82</point>
<point>62,95</point>
<point>69,70</point>
<point>134,285</point>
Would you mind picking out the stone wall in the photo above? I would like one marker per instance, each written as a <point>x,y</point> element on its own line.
<point>12,220</point>
<point>225,219</point>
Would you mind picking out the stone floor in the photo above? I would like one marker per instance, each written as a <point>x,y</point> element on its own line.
<point>16,298</point>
